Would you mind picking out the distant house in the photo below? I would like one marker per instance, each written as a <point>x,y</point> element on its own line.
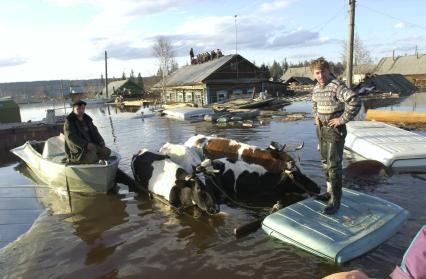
<point>360,72</point>
<point>230,76</point>
<point>413,67</point>
<point>126,88</point>
<point>76,90</point>
<point>387,83</point>
<point>300,83</point>
<point>76,93</point>
<point>304,71</point>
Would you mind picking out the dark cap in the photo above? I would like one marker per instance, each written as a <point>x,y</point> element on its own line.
<point>78,103</point>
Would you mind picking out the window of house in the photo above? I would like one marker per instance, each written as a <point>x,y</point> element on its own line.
<point>198,99</point>
<point>188,97</point>
<point>237,92</point>
<point>173,97</point>
<point>222,95</point>
<point>179,97</point>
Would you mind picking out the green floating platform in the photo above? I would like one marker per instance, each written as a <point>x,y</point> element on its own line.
<point>362,223</point>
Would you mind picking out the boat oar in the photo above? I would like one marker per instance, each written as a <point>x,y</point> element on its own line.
<point>254,225</point>
<point>248,228</point>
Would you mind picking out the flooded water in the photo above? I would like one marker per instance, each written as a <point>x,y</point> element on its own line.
<point>125,235</point>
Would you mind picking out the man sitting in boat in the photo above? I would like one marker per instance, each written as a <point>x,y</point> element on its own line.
<point>83,143</point>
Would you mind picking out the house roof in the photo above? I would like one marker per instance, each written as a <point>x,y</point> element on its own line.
<point>404,65</point>
<point>76,90</point>
<point>116,85</point>
<point>297,72</point>
<point>193,74</point>
<point>300,80</point>
<point>390,83</point>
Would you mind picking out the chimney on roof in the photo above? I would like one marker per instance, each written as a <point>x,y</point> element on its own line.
<point>393,55</point>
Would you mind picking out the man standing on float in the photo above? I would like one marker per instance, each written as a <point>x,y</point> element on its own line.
<point>333,105</point>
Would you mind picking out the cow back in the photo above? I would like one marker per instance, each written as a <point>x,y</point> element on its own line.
<point>223,148</point>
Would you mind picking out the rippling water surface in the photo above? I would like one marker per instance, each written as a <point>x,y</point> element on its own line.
<point>125,235</point>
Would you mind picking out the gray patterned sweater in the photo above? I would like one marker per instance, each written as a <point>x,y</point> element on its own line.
<point>335,100</point>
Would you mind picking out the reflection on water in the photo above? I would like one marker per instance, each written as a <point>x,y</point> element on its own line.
<point>414,102</point>
<point>128,235</point>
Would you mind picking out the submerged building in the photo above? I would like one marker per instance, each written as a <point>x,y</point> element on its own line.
<point>230,76</point>
<point>126,88</point>
<point>412,67</point>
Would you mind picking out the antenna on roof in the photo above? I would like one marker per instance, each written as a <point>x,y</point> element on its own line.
<point>236,34</point>
<point>106,75</point>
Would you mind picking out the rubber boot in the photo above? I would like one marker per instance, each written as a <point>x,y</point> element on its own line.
<point>325,196</point>
<point>334,202</point>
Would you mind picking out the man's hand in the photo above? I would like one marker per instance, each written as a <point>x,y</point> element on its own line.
<point>335,122</point>
<point>91,146</point>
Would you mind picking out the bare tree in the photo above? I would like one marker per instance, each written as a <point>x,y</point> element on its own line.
<point>163,51</point>
<point>361,54</point>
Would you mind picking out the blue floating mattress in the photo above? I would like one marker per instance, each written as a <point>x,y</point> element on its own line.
<point>362,223</point>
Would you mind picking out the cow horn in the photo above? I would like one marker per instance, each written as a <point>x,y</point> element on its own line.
<point>188,177</point>
<point>297,147</point>
<point>300,146</point>
<point>276,146</point>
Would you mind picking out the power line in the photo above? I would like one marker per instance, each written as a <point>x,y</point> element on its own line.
<point>393,17</point>
<point>333,17</point>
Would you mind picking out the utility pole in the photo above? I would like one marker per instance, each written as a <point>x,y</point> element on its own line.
<point>236,42</point>
<point>350,47</point>
<point>63,97</point>
<point>106,75</point>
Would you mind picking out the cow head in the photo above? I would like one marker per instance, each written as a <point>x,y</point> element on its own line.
<point>202,193</point>
<point>283,152</point>
<point>292,172</point>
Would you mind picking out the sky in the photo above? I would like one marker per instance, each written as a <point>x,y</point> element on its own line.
<point>66,39</point>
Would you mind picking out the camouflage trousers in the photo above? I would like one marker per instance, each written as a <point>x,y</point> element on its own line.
<point>331,145</point>
<point>93,156</point>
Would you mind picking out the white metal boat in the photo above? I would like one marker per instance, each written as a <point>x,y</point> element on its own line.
<point>187,113</point>
<point>401,150</point>
<point>98,100</point>
<point>46,159</point>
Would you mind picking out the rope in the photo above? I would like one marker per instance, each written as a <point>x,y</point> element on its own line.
<point>290,175</point>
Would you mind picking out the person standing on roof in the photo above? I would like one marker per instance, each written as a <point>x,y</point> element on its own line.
<point>191,55</point>
<point>83,143</point>
<point>333,105</point>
